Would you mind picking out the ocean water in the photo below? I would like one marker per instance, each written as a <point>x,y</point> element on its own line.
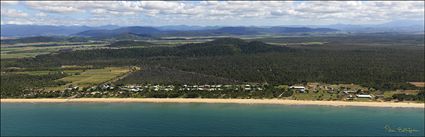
<point>99,119</point>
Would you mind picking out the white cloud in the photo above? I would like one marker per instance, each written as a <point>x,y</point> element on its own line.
<point>54,6</point>
<point>13,13</point>
<point>4,3</point>
<point>97,7</point>
<point>108,12</point>
<point>41,14</point>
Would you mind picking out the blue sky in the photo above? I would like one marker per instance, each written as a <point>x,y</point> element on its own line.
<point>208,13</point>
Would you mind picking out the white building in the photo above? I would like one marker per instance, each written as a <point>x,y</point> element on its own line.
<point>364,96</point>
<point>299,88</point>
<point>349,91</point>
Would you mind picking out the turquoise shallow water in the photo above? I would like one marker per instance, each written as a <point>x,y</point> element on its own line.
<point>50,119</point>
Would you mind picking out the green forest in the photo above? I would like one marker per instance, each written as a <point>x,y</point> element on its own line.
<point>374,64</point>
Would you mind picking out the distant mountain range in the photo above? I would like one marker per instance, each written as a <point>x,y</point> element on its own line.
<point>186,27</point>
<point>154,32</point>
<point>402,26</point>
<point>46,30</point>
<point>409,26</point>
<point>139,31</point>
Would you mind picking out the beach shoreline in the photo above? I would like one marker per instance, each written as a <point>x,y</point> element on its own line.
<point>221,101</point>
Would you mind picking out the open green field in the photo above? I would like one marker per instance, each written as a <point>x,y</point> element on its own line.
<point>34,49</point>
<point>321,95</point>
<point>46,72</point>
<point>93,77</point>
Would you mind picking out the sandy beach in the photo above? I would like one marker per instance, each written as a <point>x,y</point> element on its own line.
<point>237,101</point>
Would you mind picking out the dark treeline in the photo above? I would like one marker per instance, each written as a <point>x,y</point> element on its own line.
<point>15,85</point>
<point>404,97</point>
<point>384,38</point>
<point>380,68</point>
<point>166,76</point>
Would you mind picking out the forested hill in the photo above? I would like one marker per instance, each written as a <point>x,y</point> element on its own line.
<point>218,47</point>
<point>228,46</point>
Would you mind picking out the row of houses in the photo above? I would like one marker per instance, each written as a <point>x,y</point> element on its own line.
<point>349,93</point>
<point>329,88</point>
<point>246,87</point>
<point>206,87</point>
<point>140,88</point>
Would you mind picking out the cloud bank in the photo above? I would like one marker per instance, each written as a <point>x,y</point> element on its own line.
<point>208,13</point>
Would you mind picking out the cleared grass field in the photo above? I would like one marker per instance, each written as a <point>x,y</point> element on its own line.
<point>321,95</point>
<point>46,72</point>
<point>29,50</point>
<point>418,84</point>
<point>93,77</point>
<point>389,94</point>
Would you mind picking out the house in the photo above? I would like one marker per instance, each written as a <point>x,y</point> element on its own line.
<point>350,97</point>
<point>226,86</point>
<point>75,87</point>
<point>313,86</point>
<point>247,87</point>
<point>106,87</point>
<point>298,88</point>
<point>72,88</point>
<point>349,91</point>
<point>364,96</point>
<point>135,89</point>
<point>95,92</point>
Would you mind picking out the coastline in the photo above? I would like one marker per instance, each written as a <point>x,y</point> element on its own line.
<point>226,101</point>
